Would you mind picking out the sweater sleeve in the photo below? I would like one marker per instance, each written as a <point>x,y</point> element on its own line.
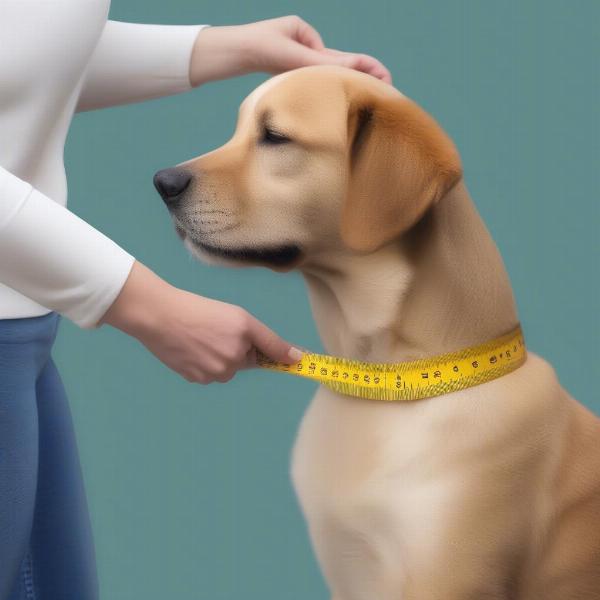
<point>53,257</point>
<point>136,61</point>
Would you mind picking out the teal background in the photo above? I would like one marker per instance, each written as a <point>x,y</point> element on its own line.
<point>188,485</point>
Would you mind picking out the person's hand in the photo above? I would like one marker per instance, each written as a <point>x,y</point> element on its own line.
<point>271,46</point>
<point>203,340</point>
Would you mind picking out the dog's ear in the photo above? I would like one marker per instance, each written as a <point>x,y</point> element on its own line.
<point>399,162</point>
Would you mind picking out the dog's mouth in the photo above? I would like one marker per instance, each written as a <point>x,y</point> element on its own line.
<point>284,255</point>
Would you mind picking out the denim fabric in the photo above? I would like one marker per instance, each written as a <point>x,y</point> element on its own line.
<point>46,546</point>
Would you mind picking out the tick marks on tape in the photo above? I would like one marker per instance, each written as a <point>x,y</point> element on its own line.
<point>411,380</point>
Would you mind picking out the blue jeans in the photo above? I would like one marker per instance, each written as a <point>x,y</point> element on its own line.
<point>46,546</point>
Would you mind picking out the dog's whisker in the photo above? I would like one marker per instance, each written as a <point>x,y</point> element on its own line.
<point>207,222</point>
<point>226,228</point>
<point>216,210</point>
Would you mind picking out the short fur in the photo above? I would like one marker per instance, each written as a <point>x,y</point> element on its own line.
<point>490,492</point>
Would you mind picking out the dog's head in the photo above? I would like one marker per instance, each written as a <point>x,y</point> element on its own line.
<point>322,159</point>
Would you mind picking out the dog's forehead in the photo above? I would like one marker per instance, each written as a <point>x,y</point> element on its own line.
<point>316,94</point>
<point>302,92</point>
<point>252,99</point>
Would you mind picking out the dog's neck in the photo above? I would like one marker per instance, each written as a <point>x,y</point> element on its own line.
<point>442,287</point>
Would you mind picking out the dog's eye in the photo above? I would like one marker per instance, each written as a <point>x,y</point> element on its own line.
<point>273,137</point>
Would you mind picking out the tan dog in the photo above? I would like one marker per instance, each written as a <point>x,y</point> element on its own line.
<point>492,492</point>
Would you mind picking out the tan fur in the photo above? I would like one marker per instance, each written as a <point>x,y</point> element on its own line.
<point>492,492</point>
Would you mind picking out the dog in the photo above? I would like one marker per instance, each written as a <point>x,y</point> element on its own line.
<point>490,492</point>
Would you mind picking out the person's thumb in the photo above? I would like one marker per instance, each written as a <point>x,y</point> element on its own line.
<point>272,346</point>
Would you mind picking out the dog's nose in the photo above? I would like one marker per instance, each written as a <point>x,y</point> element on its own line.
<point>170,183</point>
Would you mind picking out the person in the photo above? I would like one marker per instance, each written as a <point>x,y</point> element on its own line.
<point>57,59</point>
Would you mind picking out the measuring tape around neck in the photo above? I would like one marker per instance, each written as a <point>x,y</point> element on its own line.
<point>411,380</point>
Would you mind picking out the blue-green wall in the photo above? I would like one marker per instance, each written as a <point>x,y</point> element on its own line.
<point>188,485</point>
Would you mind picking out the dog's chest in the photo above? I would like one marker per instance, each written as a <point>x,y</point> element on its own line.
<point>363,474</point>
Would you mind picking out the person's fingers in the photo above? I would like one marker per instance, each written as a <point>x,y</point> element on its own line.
<point>270,344</point>
<point>296,55</point>
<point>306,34</point>
<point>371,66</point>
<point>361,62</point>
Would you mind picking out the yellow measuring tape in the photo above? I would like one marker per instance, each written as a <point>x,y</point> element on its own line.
<point>411,380</point>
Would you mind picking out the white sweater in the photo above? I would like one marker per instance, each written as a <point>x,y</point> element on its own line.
<point>56,58</point>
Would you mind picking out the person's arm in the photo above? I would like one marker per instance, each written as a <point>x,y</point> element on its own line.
<point>53,257</point>
<point>133,62</point>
